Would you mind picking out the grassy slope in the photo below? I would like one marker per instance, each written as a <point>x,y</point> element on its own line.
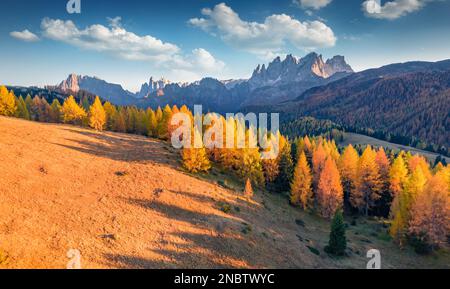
<point>124,202</point>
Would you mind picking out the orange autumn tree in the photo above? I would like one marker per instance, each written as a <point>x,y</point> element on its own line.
<point>318,161</point>
<point>384,165</point>
<point>430,213</point>
<point>330,194</point>
<point>348,167</point>
<point>368,184</point>
<point>301,192</point>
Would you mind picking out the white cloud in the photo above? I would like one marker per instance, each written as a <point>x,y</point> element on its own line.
<point>121,43</point>
<point>264,39</point>
<point>314,4</point>
<point>393,9</point>
<point>25,35</point>
<point>114,39</point>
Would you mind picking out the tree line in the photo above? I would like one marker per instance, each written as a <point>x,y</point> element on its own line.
<point>318,176</point>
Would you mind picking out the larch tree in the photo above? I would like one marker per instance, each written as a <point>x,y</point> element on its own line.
<point>348,167</point>
<point>22,111</point>
<point>196,160</point>
<point>248,190</point>
<point>72,112</point>
<point>151,124</point>
<point>398,175</point>
<point>163,124</point>
<point>97,115</point>
<point>7,102</point>
<point>111,112</point>
<point>120,121</point>
<point>319,157</point>
<point>430,214</point>
<point>368,185</point>
<point>301,191</point>
<point>384,202</point>
<point>401,206</point>
<point>329,195</point>
<point>55,113</point>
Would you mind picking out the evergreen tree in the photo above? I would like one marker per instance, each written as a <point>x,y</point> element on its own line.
<point>301,192</point>
<point>286,165</point>
<point>97,115</point>
<point>338,241</point>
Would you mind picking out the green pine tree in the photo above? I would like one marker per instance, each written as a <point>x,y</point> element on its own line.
<point>338,241</point>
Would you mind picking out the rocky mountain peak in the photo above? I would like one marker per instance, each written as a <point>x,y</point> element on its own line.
<point>310,68</point>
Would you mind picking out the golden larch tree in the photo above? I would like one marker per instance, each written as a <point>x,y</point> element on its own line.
<point>196,159</point>
<point>97,115</point>
<point>301,191</point>
<point>403,201</point>
<point>72,112</point>
<point>7,102</point>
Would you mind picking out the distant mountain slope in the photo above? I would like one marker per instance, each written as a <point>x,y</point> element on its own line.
<point>411,99</point>
<point>108,91</point>
<point>51,93</point>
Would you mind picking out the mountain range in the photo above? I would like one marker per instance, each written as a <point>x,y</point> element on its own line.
<point>410,99</point>
<point>279,81</point>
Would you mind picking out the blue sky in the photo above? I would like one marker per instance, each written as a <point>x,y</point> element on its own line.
<point>41,43</point>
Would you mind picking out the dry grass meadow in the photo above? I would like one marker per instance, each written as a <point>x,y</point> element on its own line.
<point>124,202</point>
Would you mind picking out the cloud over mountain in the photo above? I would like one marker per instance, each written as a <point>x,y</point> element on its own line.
<point>264,39</point>
<point>25,35</point>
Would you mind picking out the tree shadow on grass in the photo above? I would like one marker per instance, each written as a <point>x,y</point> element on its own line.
<point>123,147</point>
<point>220,245</point>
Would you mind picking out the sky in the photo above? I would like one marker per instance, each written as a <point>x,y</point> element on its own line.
<point>126,42</point>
